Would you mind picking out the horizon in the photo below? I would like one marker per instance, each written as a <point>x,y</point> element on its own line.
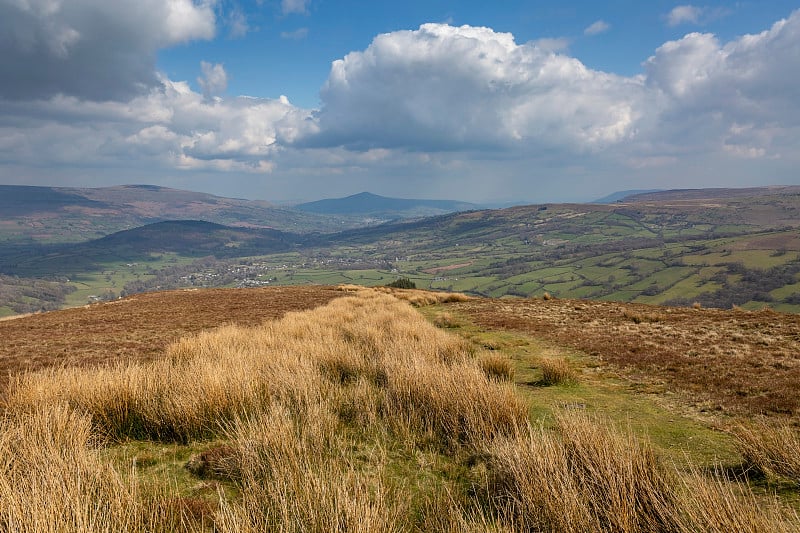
<point>299,100</point>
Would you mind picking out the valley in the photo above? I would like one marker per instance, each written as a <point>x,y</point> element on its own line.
<point>713,248</point>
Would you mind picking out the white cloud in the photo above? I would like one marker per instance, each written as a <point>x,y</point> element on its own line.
<point>214,80</point>
<point>442,87</point>
<point>296,35</point>
<point>170,127</point>
<point>740,93</point>
<point>294,6</point>
<point>684,14</point>
<point>444,105</point>
<point>597,28</point>
<point>93,49</point>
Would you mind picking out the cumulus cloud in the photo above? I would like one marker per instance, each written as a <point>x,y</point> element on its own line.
<point>171,126</point>
<point>741,93</point>
<point>442,87</point>
<point>439,101</point>
<point>294,6</point>
<point>92,49</point>
<point>214,80</point>
<point>597,28</point>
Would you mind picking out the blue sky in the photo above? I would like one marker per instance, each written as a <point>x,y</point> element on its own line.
<point>288,100</point>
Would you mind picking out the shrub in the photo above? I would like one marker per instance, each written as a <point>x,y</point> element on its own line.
<point>402,283</point>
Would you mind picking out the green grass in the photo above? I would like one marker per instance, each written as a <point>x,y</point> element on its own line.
<point>679,438</point>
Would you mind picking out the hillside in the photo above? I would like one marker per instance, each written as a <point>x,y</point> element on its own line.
<point>372,205</point>
<point>714,248</point>
<point>699,195</point>
<point>356,411</point>
<point>52,214</point>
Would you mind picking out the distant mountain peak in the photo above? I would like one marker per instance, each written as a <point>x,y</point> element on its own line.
<point>369,204</point>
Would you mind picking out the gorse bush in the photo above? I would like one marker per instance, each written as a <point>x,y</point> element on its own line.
<point>356,416</point>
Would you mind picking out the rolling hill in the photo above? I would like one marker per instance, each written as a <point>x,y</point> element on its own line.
<point>53,215</point>
<point>345,408</point>
<point>716,248</point>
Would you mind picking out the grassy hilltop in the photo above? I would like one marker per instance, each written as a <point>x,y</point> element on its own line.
<point>321,409</point>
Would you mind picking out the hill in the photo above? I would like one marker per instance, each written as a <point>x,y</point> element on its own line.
<point>620,195</point>
<point>373,205</point>
<point>357,411</point>
<point>52,214</point>
<point>716,248</point>
<point>695,195</point>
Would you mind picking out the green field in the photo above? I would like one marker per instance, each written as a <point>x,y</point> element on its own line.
<point>742,252</point>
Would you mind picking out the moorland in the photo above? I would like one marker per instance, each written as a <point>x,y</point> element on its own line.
<point>374,409</point>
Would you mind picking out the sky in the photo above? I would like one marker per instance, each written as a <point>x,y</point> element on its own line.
<point>297,100</point>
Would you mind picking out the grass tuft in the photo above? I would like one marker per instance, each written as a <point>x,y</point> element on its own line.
<point>557,371</point>
<point>771,449</point>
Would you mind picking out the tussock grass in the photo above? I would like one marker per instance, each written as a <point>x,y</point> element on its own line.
<point>772,449</point>
<point>316,419</point>
<point>416,297</point>
<point>586,476</point>
<point>557,371</point>
<point>445,320</point>
<point>51,479</point>
<point>719,504</point>
<point>496,366</point>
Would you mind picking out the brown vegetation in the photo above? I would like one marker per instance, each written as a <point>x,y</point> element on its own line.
<point>557,371</point>
<point>770,449</point>
<point>139,327</point>
<point>735,361</point>
<point>354,416</point>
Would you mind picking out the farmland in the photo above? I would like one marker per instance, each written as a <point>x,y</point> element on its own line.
<point>720,252</point>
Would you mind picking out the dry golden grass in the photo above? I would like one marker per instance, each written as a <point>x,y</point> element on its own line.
<point>718,504</point>
<point>590,476</point>
<point>586,477</point>
<point>416,297</point>
<point>773,449</point>
<point>497,366</point>
<point>356,416</point>
<point>140,327</point>
<point>50,479</point>
<point>557,371</point>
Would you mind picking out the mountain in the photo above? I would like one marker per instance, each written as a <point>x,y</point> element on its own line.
<point>60,214</point>
<point>372,205</point>
<point>193,238</point>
